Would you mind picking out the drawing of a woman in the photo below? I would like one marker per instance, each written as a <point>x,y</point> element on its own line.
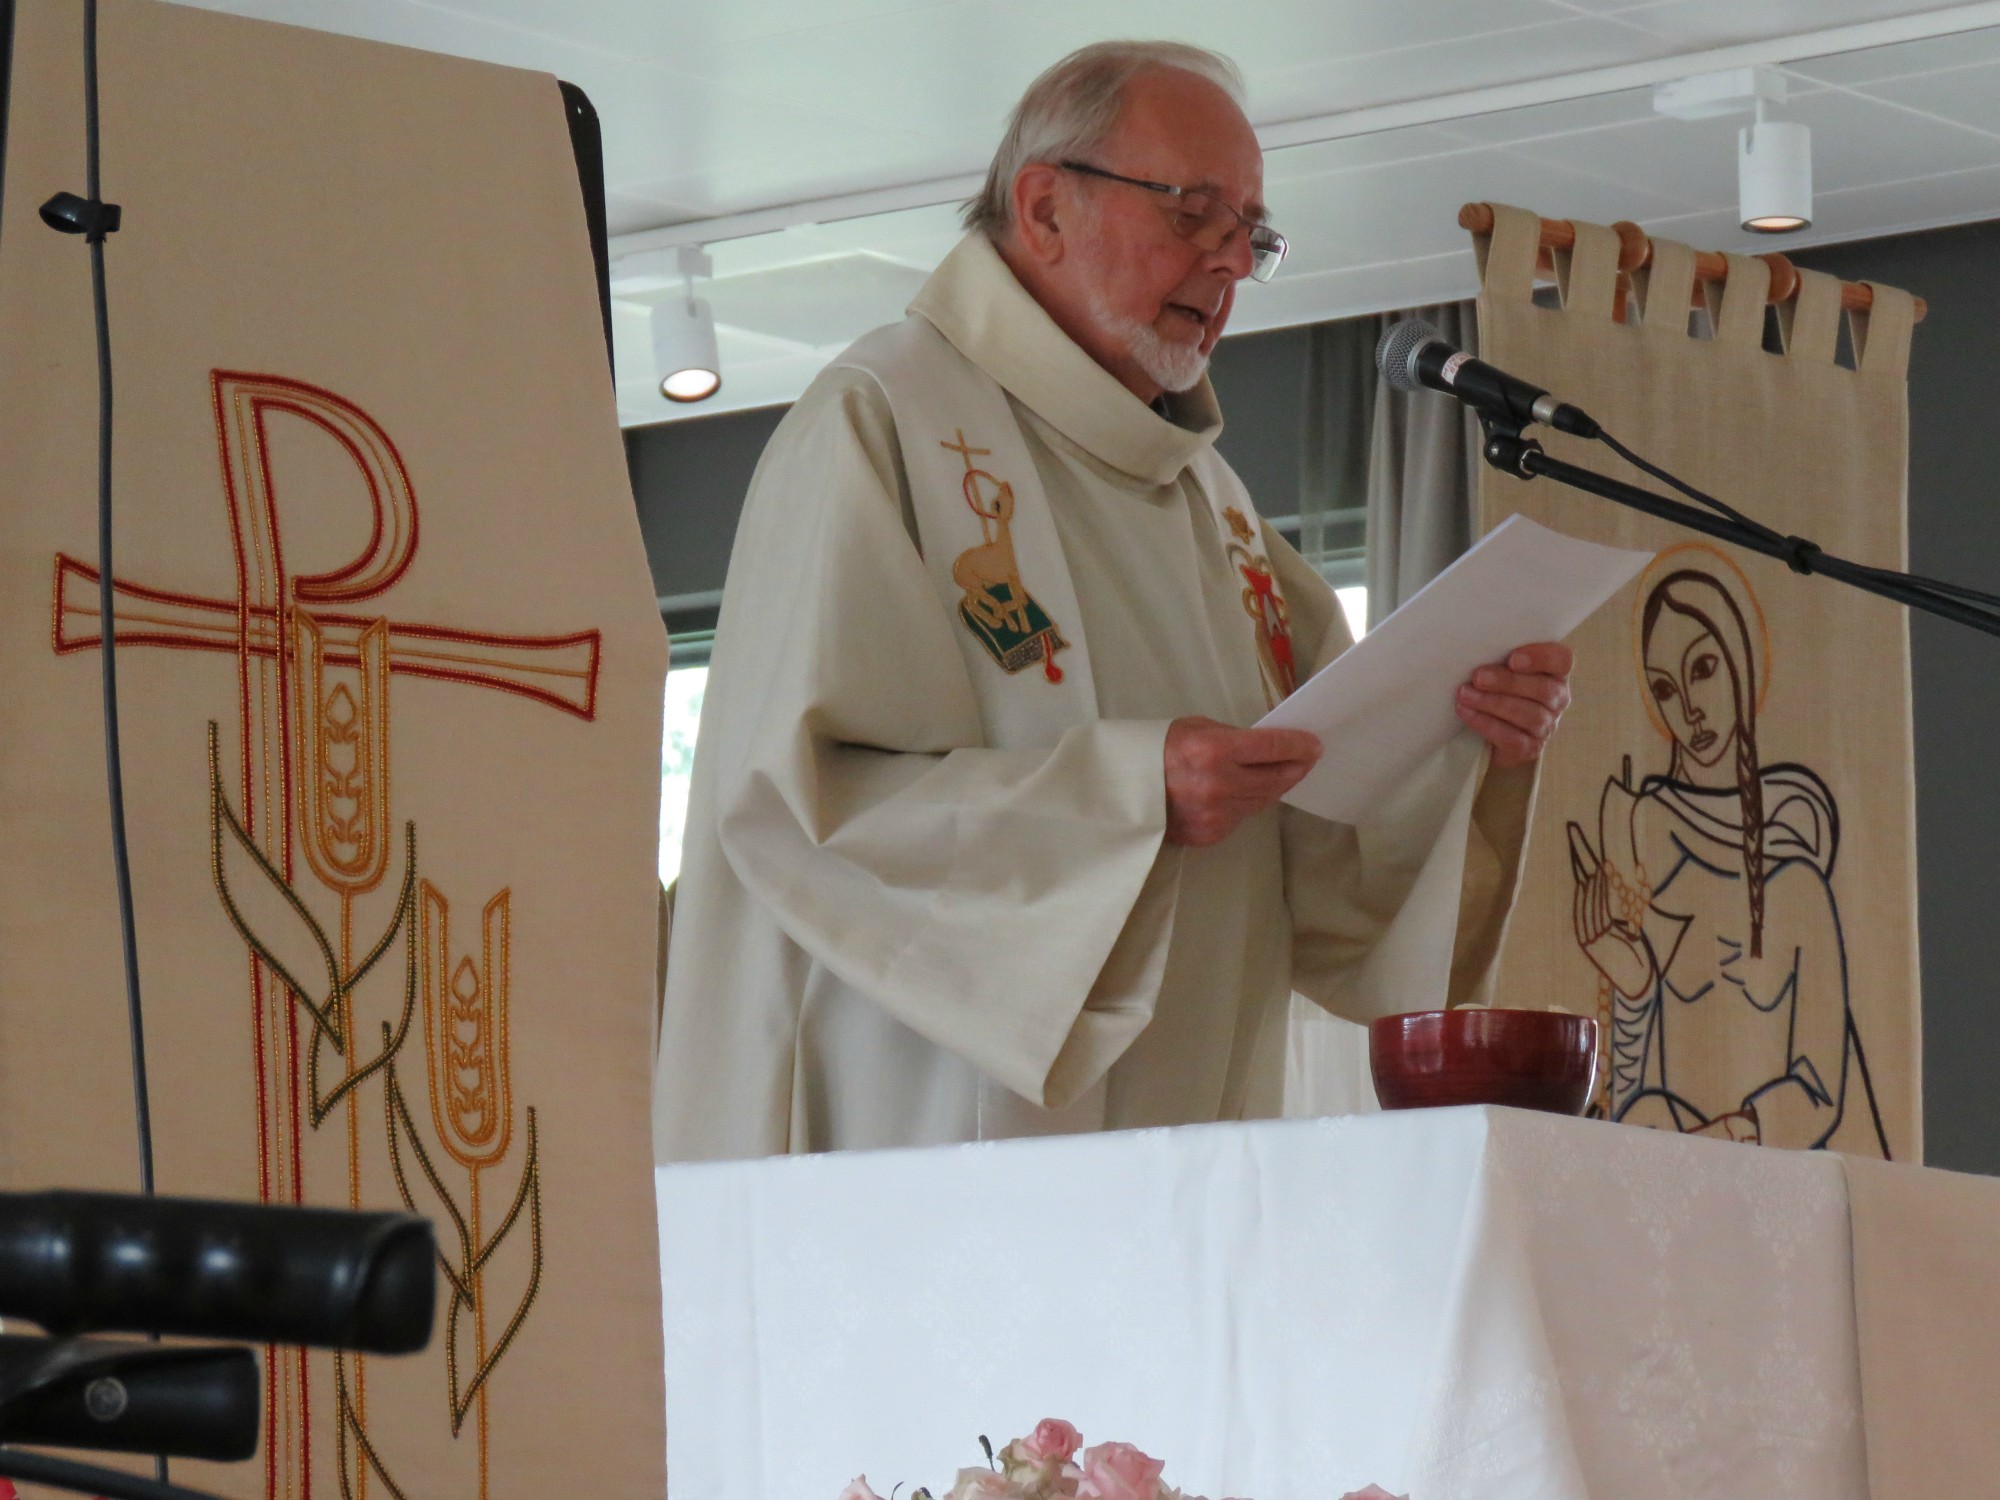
<point>1707,905</point>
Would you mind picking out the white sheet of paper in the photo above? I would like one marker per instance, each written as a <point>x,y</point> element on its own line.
<point>1390,701</point>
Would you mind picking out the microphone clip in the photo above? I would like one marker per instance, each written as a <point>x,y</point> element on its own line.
<point>1505,449</point>
<point>93,218</point>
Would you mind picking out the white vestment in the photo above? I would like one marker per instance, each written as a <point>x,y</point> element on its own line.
<point>895,927</point>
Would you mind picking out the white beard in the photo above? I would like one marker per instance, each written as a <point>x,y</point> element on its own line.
<point>1176,367</point>
<point>1169,365</point>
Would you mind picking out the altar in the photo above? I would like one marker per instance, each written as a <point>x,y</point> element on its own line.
<point>1475,1303</point>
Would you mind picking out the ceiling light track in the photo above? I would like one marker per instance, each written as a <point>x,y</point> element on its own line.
<point>1947,20</point>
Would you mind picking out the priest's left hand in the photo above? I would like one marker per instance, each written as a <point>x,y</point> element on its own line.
<point>1515,705</point>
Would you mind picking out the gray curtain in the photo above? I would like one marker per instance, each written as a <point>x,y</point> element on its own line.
<point>1422,477</point>
<point>1333,461</point>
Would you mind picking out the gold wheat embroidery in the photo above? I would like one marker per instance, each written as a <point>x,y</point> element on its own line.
<point>467,1076</point>
<point>465,1045</point>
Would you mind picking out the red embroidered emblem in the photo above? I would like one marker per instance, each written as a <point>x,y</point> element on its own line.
<point>1267,611</point>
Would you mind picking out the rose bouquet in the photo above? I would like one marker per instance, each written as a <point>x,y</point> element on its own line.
<point>1051,1463</point>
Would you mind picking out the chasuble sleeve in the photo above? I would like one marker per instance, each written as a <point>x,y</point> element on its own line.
<point>1407,911</point>
<point>1011,906</point>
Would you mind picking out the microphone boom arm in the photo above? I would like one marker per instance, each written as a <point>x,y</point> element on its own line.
<point>1506,450</point>
<point>90,1479</point>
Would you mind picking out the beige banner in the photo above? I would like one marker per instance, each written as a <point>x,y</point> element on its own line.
<point>1722,861</point>
<point>391,671</point>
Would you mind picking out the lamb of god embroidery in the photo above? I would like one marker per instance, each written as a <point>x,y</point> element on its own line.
<point>996,606</point>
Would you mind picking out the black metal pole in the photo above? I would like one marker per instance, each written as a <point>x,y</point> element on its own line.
<point>1509,452</point>
<point>90,1479</point>
<point>114,768</point>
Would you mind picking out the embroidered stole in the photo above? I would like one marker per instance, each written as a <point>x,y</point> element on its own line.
<point>991,547</point>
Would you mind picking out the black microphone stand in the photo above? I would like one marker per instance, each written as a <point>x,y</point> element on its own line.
<point>1511,453</point>
<point>90,1479</point>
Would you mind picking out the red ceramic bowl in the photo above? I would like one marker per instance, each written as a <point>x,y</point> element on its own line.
<point>1531,1059</point>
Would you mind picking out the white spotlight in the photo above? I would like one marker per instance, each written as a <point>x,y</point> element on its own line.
<point>684,350</point>
<point>1774,175</point>
<point>1773,157</point>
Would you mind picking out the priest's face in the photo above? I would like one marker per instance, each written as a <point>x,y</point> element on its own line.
<point>1145,301</point>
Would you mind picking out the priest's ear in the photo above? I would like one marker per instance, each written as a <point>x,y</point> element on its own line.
<point>1044,206</point>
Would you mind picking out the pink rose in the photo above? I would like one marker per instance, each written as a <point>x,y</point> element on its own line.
<point>859,1490</point>
<point>1040,1462</point>
<point>1373,1492</point>
<point>1053,1438</point>
<point>1118,1471</point>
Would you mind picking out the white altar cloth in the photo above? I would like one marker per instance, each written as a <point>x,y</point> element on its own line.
<point>1474,1303</point>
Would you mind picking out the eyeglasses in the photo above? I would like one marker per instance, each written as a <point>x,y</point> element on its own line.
<point>1204,220</point>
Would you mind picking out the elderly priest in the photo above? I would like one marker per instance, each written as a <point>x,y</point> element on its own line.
<point>978,843</point>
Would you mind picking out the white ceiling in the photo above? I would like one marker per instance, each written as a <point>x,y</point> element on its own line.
<point>718,109</point>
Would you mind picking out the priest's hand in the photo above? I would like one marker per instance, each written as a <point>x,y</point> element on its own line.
<point>1218,776</point>
<point>1515,705</point>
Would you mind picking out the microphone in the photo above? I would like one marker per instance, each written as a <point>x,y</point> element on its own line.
<point>99,1262</point>
<point>179,1400</point>
<point>1413,354</point>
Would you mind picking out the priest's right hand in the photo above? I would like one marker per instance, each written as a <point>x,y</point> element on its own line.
<point>1217,776</point>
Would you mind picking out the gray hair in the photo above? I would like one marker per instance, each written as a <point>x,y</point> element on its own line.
<point>1073,106</point>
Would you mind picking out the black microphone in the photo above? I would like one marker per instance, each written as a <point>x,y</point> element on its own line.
<point>269,1274</point>
<point>1413,354</point>
<point>180,1400</point>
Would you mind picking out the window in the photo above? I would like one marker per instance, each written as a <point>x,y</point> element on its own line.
<point>685,686</point>
<point>1354,604</point>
